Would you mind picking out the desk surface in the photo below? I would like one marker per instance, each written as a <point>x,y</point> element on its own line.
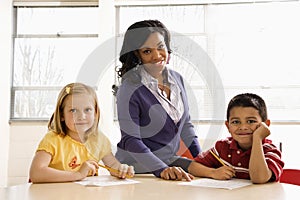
<point>148,188</point>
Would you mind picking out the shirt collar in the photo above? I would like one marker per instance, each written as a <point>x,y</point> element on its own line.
<point>146,78</point>
<point>149,81</point>
<point>234,146</point>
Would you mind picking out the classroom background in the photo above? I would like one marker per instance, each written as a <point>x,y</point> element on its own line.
<point>221,47</point>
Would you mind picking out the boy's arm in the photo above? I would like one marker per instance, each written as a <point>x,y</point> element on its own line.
<point>258,168</point>
<point>199,169</point>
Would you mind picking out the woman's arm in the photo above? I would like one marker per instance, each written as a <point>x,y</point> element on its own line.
<point>188,134</point>
<point>190,139</point>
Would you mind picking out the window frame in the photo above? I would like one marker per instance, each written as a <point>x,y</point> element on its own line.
<point>117,3</point>
<point>19,4</point>
<point>151,3</point>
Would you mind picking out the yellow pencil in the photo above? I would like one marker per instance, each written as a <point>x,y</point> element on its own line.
<point>217,157</point>
<point>113,170</point>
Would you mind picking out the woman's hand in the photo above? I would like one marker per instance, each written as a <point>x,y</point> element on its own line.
<point>175,173</point>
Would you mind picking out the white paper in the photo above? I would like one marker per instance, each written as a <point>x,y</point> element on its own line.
<point>105,180</point>
<point>212,183</point>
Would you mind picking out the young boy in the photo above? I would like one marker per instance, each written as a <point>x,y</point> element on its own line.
<point>247,154</point>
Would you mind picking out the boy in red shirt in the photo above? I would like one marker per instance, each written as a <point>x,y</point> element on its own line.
<point>247,154</point>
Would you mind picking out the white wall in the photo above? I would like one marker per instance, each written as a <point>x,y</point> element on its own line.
<point>5,66</point>
<point>24,138</point>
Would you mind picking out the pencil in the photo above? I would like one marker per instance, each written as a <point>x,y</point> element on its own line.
<point>217,157</point>
<point>112,170</point>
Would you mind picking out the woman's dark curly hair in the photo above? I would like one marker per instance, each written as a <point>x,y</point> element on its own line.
<point>134,38</point>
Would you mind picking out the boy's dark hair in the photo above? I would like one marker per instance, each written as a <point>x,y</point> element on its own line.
<point>248,100</point>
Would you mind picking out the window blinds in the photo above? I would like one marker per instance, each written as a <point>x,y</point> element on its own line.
<point>55,2</point>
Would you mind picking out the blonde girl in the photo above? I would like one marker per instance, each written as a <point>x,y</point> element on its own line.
<point>73,146</point>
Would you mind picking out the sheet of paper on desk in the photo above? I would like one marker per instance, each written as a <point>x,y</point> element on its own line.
<point>225,184</point>
<point>105,180</point>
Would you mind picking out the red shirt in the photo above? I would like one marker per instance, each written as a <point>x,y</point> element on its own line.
<point>230,153</point>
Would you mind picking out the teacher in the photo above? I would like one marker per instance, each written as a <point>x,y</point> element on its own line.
<point>152,105</point>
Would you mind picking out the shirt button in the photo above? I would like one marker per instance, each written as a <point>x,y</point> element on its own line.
<point>229,156</point>
<point>239,164</point>
<point>238,152</point>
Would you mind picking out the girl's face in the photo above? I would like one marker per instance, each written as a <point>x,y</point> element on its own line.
<point>78,114</point>
<point>243,121</point>
<point>153,54</point>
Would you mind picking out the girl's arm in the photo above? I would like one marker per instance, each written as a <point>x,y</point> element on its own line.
<point>123,170</point>
<point>40,172</point>
<point>258,169</point>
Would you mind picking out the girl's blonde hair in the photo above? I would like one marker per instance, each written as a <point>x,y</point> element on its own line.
<point>56,124</point>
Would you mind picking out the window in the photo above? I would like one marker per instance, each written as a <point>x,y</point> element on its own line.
<point>250,51</point>
<point>184,37</point>
<point>50,45</point>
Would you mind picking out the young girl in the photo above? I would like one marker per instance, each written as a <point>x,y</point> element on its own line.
<point>72,148</point>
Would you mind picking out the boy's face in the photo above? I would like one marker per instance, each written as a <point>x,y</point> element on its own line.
<point>243,121</point>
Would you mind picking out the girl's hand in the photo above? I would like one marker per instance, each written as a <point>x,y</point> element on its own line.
<point>175,173</point>
<point>88,168</point>
<point>223,173</point>
<point>125,171</point>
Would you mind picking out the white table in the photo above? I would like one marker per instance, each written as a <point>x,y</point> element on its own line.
<point>149,187</point>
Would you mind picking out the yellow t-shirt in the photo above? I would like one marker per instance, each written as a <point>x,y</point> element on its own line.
<point>68,154</point>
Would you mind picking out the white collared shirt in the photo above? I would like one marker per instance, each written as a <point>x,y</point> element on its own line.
<point>174,106</point>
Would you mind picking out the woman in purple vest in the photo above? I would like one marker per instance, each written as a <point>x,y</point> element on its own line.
<point>152,105</point>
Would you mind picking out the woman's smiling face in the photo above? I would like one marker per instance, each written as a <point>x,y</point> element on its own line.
<point>153,54</point>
